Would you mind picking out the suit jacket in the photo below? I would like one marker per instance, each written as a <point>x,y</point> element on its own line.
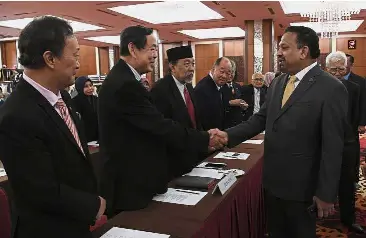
<point>169,101</point>
<point>351,147</point>
<point>55,190</point>
<point>210,104</point>
<point>233,114</point>
<point>248,97</point>
<point>87,107</point>
<point>134,137</point>
<point>362,105</point>
<point>304,139</point>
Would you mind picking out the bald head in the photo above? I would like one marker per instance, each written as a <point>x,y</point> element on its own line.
<point>222,71</point>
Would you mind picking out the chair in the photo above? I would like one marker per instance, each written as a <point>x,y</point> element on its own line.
<point>5,227</point>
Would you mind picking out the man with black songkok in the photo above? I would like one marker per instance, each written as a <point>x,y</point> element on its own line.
<point>173,96</point>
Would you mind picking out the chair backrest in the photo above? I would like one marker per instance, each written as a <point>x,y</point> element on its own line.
<point>5,226</point>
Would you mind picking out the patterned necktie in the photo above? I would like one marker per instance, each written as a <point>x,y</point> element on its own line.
<point>65,115</point>
<point>190,107</point>
<point>290,87</point>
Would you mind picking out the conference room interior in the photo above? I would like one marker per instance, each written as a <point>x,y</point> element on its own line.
<point>246,32</point>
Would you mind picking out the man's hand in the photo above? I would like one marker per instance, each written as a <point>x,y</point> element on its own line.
<point>361,129</point>
<point>102,208</point>
<point>324,209</point>
<point>218,139</point>
<point>238,102</point>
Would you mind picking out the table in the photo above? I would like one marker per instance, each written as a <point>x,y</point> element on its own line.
<point>238,213</point>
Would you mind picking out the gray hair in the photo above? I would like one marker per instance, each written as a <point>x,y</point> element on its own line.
<point>335,57</point>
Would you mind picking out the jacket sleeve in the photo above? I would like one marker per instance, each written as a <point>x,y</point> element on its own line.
<point>135,107</point>
<point>334,120</point>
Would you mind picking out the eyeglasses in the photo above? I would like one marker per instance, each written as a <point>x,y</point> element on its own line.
<point>339,70</point>
<point>258,79</point>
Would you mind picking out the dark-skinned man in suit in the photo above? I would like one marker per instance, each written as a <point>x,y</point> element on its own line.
<point>173,97</point>
<point>134,135</point>
<point>44,150</point>
<point>336,64</point>
<point>304,117</point>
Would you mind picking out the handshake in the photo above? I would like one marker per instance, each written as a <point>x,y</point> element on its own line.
<point>218,139</point>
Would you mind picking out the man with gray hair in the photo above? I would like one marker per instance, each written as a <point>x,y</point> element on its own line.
<point>336,64</point>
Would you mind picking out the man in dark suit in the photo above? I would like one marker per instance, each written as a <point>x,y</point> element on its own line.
<point>210,102</point>
<point>254,94</point>
<point>304,116</point>
<point>134,135</point>
<point>43,147</point>
<point>336,64</point>
<point>361,82</point>
<point>173,97</point>
<point>235,110</point>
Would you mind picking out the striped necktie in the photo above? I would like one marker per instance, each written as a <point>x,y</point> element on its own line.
<point>65,115</point>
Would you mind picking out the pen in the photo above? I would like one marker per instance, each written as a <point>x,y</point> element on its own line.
<point>184,191</point>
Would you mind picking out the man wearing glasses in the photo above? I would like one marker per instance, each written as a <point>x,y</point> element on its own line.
<point>254,94</point>
<point>336,64</point>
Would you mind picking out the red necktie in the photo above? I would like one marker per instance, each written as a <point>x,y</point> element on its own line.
<point>190,107</point>
<point>65,115</point>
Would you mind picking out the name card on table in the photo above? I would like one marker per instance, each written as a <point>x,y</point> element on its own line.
<point>117,232</point>
<point>225,184</point>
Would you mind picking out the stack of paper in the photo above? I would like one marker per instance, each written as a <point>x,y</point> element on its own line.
<point>256,142</point>
<point>180,196</point>
<point>232,155</point>
<point>2,172</point>
<point>208,173</point>
<point>117,232</point>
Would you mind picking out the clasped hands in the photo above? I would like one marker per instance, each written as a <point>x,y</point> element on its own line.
<point>218,139</point>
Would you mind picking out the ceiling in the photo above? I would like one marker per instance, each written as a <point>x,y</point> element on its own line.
<point>98,13</point>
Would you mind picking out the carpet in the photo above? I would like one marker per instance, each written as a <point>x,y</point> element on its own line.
<point>331,227</point>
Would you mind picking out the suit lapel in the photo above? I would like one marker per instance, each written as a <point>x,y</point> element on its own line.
<point>47,107</point>
<point>308,81</point>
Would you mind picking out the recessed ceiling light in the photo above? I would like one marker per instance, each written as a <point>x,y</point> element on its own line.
<point>169,12</point>
<point>77,26</point>
<point>290,7</point>
<point>214,33</point>
<point>344,26</point>
<point>106,39</point>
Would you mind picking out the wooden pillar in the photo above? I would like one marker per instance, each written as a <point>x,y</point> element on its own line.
<point>268,38</point>
<point>249,51</point>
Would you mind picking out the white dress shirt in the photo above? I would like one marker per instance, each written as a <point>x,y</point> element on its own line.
<point>180,88</point>
<point>300,75</point>
<point>50,96</point>
<point>137,75</point>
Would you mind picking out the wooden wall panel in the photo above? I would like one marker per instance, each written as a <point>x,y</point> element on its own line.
<point>9,53</point>
<point>234,50</point>
<point>325,45</point>
<point>359,53</point>
<point>267,46</point>
<point>88,65</point>
<point>205,57</point>
<point>249,51</point>
<point>103,60</point>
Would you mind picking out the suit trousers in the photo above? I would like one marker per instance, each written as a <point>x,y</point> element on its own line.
<point>289,219</point>
<point>347,190</point>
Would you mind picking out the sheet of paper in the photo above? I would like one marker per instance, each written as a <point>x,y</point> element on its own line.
<point>117,232</point>
<point>232,155</point>
<point>2,172</point>
<point>180,196</point>
<point>208,173</point>
<point>256,142</point>
<point>93,143</point>
<point>263,132</point>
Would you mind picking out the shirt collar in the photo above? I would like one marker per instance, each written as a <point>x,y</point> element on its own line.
<point>346,77</point>
<point>300,75</point>
<point>50,96</point>
<point>137,75</point>
<point>179,84</point>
